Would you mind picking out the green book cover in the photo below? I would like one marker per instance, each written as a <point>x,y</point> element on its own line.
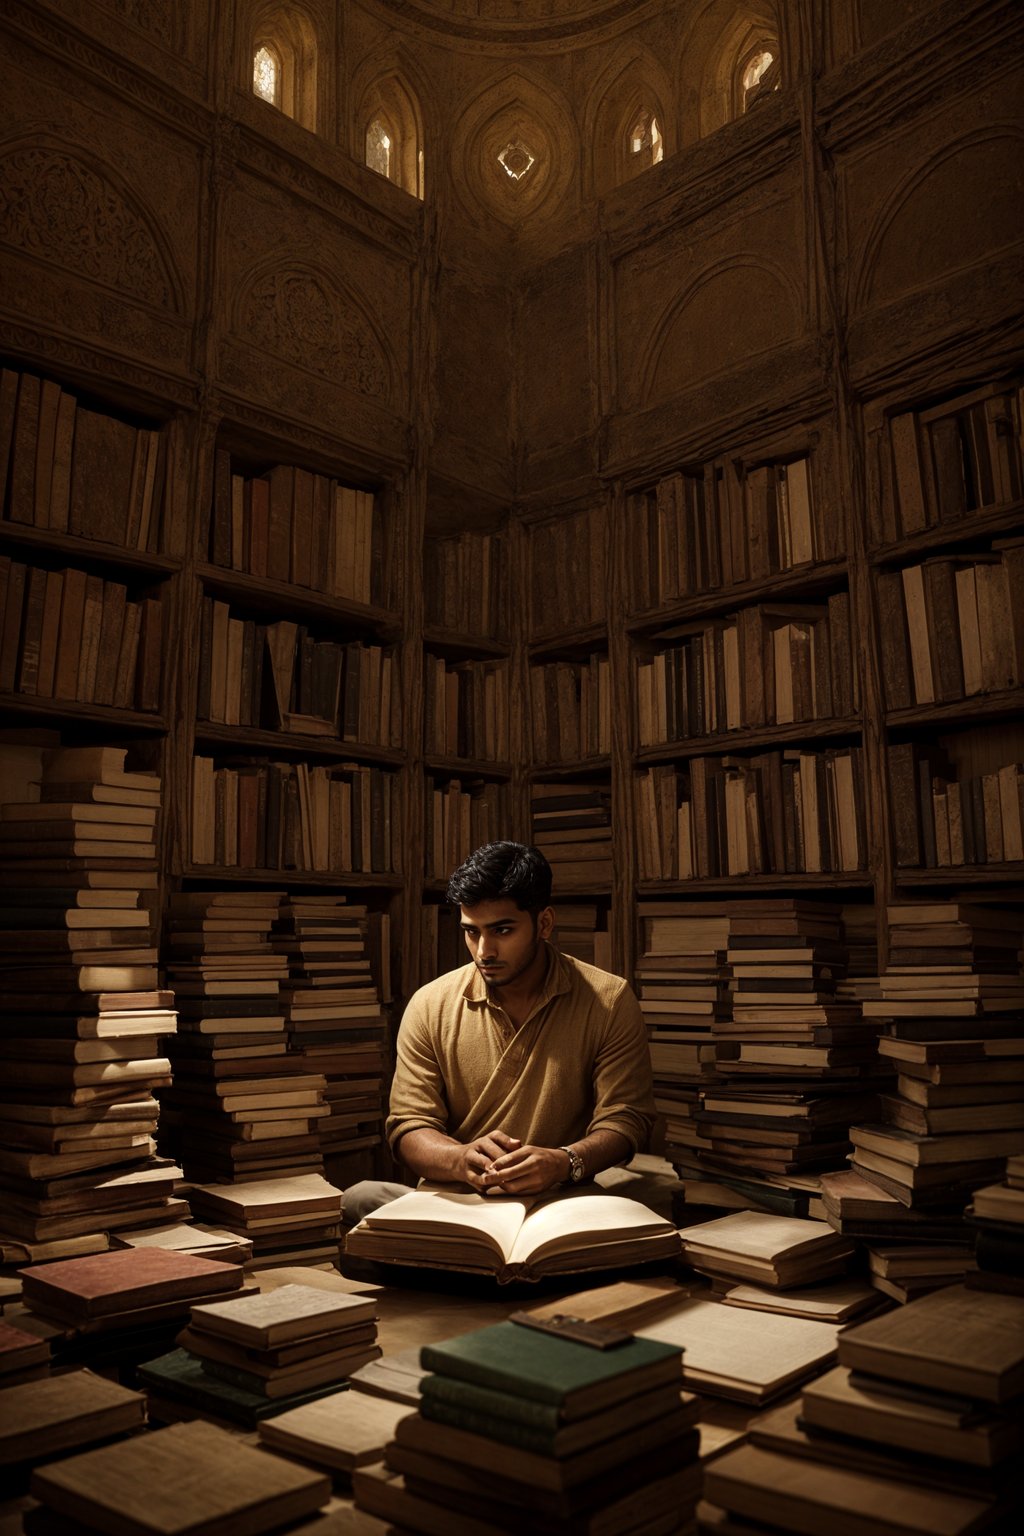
<point>528,1363</point>
<point>490,1404</point>
<point>180,1375</point>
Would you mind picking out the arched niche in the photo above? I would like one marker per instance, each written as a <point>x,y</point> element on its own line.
<point>388,129</point>
<point>283,47</point>
<point>626,125</point>
<point>949,214</point>
<point>731,312</point>
<point>720,54</point>
<point>515,151</point>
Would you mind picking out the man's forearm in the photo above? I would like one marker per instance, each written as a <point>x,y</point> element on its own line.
<point>430,1154</point>
<point>602,1149</point>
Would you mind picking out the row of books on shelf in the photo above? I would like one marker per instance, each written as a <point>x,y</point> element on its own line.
<point>568,565</point>
<point>571,709</point>
<point>280,677</point>
<point>946,461</point>
<point>465,583</point>
<point>466,711</point>
<point>778,813</point>
<point>257,814</point>
<point>73,470</point>
<point>953,626</point>
<point>773,664</point>
<point>723,524</point>
<point>67,634</point>
<point>293,525</point>
<point>942,818</point>
<point>463,815</point>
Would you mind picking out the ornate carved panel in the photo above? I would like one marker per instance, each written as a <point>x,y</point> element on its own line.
<point>307,318</point>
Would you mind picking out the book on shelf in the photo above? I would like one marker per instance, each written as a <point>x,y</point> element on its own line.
<point>465,583</point>
<point>560,549</point>
<point>944,817</point>
<point>512,1238</point>
<point>466,708</point>
<point>463,814</point>
<point>571,709</point>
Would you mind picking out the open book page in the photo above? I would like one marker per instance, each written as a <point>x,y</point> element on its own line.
<point>493,1222</point>
<point>583,1220</point>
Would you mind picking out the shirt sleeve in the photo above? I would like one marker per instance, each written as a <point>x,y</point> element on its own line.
<point>623,1093</point>
<point>417,1090</point>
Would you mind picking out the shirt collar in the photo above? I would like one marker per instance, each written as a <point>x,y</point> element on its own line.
<point>557,981</point>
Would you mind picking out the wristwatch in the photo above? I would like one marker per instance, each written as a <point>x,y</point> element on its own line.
<point>577,1172</point>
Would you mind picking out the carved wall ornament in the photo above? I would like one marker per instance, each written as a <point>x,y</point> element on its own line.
<point>56,207</point>
<point>160,18</point>
<point>306,318</point>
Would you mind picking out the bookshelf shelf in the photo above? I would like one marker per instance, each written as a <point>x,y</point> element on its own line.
<point>802,580</point>
<point>967,530</point>
<point>963,874</point>
<point>852,880</point>
<point>455,646</point>
<point>461,767</point>
<point>580,767</point>
<point>747,739</point>
<point>281,598</point>
<point>1006,704</point>
<point>127,721</point>
<point>214,874</point>
<point>328,749</point>
<point>589,637</point>
<point>86,552</point>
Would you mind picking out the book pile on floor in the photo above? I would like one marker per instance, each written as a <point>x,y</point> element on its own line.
<point>243,1359</point>
<point>293,1220</point>
<point>338,1433</point>
<point>198,1238</point>
<point>183,1478</point>
<point>332,1005</point>
<point>952,1002</point>
<point>917,1430</point>
<point>997,1216</point>
<point>516,1425</point>
<point>257,1103</point>
<point>906,1270</point>
<point>773,1251</point>
<point>795,1059</point>
<point>124,1304</point>
<point>43,1419</point>
<point>80,1014</point>
<point>682,982</point>
<point>23,1356</point>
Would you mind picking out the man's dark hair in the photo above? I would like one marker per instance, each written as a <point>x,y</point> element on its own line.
<point>503,869</point>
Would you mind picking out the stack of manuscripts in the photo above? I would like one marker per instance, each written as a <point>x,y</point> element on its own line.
<point>796,1061</point>
<point>517,1426</point>
<point>952,1003</point>
<point>332,1005</point>
<point>682,982</point>
<point>917,1432</point>
<point>80,1014</point>
<point>185,1478</point>
<point>258,1105</point>
<point>241,1360</point>
<point>997,1216</point>
<point>294,1220</point>
<point>572,827</point>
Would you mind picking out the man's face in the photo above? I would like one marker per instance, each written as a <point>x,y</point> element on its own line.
<point>504,941</point>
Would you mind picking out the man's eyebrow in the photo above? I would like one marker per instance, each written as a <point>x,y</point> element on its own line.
<point>501,923</point>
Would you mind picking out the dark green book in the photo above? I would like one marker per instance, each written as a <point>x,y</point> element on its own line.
<point>576,1378</point>
<point>180,1376</point>
<point>553,1439</point>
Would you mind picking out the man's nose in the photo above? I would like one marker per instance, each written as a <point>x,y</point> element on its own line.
<point>485,949</point>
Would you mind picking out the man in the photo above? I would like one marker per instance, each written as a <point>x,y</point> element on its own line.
<point>525,1069</point>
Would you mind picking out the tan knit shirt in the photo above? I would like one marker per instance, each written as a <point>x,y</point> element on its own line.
<point>579,1063</point>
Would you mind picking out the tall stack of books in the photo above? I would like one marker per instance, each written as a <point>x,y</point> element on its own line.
<point>918,1430</point>
<point>682,981</point>
<point>572,827</point>
<point>952,1005</point>
<point>997,1215</point>
<point>259,1104</point>
<point>332,1005</point>
<point>798,1062</point>
<point>242,1359</point>
<point>294,1220</point>
<point>516,1425</point>
<point>584,932</point>
<point>80,1013</point>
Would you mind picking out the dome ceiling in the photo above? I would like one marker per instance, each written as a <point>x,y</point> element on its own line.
<point>514,20</point>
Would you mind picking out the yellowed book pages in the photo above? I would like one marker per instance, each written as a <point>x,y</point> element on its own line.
<point>746,1355</point>
<point>345,1430</point>
<point>834,1301</point>
<point>759,1235</point>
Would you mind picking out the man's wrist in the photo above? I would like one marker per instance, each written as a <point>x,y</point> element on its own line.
<point>576,1171</point>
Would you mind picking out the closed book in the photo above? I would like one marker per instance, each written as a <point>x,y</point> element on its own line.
<point>446,1400</point>
<point>133,1278</point>
<point>62,1413</point>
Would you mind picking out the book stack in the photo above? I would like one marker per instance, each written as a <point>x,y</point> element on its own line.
<point>774,1251</point>
<point>906,1270</point>
<point>516,1425</point>
<point>332,1006</point>
<point>336,1433</point>
<point>80,1014</point>
<point>796,1062</point>
<point>997,1216</point>
<point>240,1360</point>
<point>572,828</point>
<point>583,931</point>
<point>260,1104</point>
<point>43,1419</point>
<point>918,1430</point>
<point>952,1002</point>
<point>23,1356</point>
<point>183,1478</point>
<point>293,1220</point>
<point>682,982</point>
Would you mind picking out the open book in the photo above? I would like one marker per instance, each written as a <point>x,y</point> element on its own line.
<point>514,1238</point>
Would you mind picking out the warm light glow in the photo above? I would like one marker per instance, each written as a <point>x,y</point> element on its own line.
<point>516,159</point>
<point>646,139</point>
<point>756,69</point>
<point>266,75</point>
<point>378,148</point>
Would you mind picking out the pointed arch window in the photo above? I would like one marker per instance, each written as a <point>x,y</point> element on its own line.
<point>267,73</point>
<point>284,61</point>
<point>380,145</point>
<point>759,74</point>
<point>392,139</point>
<point>646,143</point>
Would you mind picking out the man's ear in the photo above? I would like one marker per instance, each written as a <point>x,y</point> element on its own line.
<point>545,923</point>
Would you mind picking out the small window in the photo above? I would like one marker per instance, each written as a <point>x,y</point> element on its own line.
<point>379,147</point>
<point>266,74</point>
<point>645,139</point>
<point>760,76</point>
